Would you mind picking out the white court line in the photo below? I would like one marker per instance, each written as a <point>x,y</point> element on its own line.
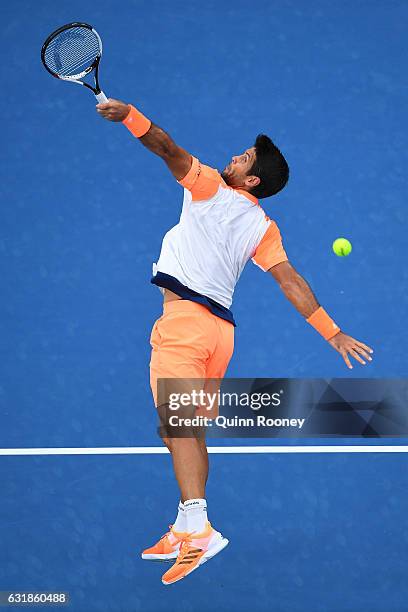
<point>225,450</point>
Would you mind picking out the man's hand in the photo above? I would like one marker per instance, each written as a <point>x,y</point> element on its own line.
<point>346,345</point>
<point>113,110</point>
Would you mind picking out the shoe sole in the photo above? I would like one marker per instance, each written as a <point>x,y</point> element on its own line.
<point>167,557</point>
<point>206,557</point>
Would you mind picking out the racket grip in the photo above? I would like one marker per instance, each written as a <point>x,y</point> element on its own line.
<point>101,97</point>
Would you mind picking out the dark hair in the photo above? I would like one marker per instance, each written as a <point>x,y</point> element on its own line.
<point>270,166</point>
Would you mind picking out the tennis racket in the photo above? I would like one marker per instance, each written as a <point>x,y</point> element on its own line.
<point>72,52</point>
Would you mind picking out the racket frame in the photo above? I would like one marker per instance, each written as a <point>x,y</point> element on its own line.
<point>75,78</point>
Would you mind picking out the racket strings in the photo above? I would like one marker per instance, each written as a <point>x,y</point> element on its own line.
<point>79,41</point>
<point>72,51</point>
<point>67,67</point>
<point>66,62</point>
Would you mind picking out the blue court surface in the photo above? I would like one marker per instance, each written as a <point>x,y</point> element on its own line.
<point>83,211</point>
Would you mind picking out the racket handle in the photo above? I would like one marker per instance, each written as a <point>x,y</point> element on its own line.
<point>101,97</point>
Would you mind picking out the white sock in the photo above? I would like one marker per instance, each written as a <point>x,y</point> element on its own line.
<point>180,523</point>
<point>196,514</point>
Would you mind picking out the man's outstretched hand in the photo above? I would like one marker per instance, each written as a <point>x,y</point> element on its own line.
<point>113,110</point>
<point>348,346</point>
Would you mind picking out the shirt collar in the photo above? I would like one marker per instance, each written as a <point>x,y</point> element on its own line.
<point>248,195</point>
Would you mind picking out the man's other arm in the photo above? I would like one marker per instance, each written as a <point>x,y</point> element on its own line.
<point>298,292</point>
<point>295,288</point>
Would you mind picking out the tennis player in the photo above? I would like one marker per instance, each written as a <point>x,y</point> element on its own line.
<point>221,227</point>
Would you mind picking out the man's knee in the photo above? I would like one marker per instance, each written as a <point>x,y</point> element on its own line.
<point>171,432</point>
<point>167,442</point>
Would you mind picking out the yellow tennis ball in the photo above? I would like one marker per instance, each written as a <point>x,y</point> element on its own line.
<point>342,247</point>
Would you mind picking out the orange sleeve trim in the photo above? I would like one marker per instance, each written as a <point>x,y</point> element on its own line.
<point>188,181</point>
<point>323,324</point>
<point>270,251</point>
<point>136,123</point>
<point>202,181</point>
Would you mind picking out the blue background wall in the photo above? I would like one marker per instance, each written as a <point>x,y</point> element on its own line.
<point>84,206</point>
<point>83,211</point>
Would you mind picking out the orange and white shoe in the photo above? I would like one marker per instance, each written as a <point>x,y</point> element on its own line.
<point>195,550</point>
<point>167,547</point>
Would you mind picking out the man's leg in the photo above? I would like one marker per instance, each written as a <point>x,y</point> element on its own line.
<point>192,346</point>
<point>180,524</point>
<point>190,461</point>
<point>183,344</point>
<point>186,443</point>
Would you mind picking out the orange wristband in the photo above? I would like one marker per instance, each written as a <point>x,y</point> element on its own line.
<point>136,123</point>
<point>323,324</point>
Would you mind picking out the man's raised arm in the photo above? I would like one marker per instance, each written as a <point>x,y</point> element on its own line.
<point>298,292</point>
<point>150,135</point>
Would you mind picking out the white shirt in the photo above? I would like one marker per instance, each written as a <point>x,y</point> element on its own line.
<point>220,229</point>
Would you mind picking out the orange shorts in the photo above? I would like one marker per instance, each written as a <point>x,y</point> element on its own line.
<point>189,342</point>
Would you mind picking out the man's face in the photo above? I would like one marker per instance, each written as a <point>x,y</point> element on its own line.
<point>235,174</point>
